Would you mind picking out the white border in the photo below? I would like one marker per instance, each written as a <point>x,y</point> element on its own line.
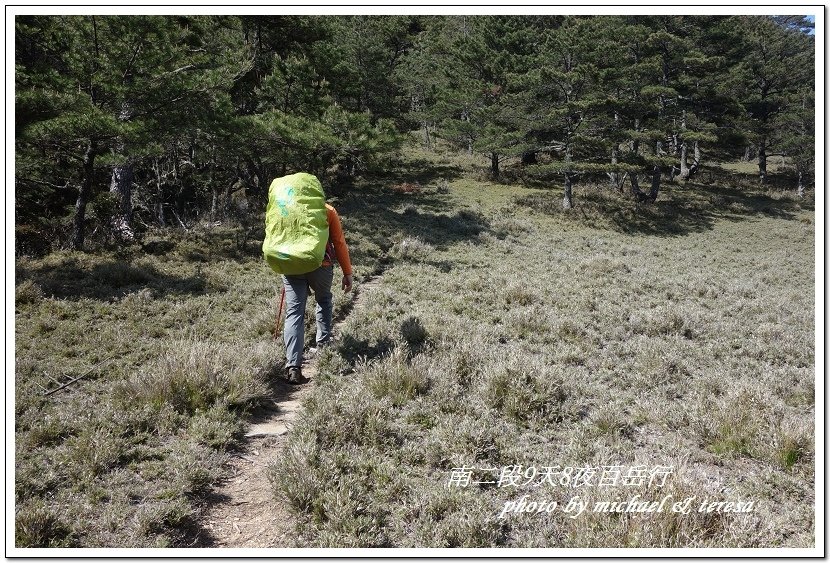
<point>419,552</point>
<point>380,9</point>
<point>820,167</point>
<point>427,8</point>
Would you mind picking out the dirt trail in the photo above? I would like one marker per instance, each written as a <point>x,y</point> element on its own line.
<point>243,511</point>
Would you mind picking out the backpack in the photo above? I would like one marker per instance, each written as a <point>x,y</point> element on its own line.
<point>296,225</point>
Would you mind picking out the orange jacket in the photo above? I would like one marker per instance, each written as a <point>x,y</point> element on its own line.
<point>336,248</point>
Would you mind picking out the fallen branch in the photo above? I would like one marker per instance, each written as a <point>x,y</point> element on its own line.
<point>179,219</point>
<point>75,380</point>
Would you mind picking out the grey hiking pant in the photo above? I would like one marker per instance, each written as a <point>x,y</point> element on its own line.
<point>296,294</point>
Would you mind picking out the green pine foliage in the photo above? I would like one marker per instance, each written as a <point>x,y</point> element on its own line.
<point>206,110</point>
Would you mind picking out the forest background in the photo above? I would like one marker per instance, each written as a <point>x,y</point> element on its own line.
<point>127,122</point>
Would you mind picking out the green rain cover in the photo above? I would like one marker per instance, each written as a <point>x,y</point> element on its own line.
<point>296,228</point>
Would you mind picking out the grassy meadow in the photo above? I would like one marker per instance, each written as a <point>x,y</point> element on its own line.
<point>499,331</point>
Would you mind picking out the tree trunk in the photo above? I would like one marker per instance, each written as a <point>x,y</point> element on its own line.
<point>616,177</point>
<point>214,188</point>
<point>121,186</point>
<point>800,187</point>
<point>684,164</point>
<point>121,182</point>
<point>349,165</point>
<point>83,198</point>
<point>494,165</point>
<point>214,202</point>
<point>655,183</point>
<point>635,143</point>
<point>465,116</point>
<point>762,160</point>
<point>226,203</point>
<point>427,139</point>
<point>635,188</point>
<point>256,176</point>
<point>696,162</point>
<point>159,194</point>
<point>160,214</point>
<point>567,201</point>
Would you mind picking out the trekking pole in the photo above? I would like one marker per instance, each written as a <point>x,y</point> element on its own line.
<point>279,315</point>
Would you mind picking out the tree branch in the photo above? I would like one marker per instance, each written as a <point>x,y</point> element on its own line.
<point>49,184</point>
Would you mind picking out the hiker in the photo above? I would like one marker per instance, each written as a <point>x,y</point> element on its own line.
<point>319,281</point>
<point>303,239</point>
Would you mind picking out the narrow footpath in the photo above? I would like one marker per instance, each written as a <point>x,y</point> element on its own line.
<point>243,511</point>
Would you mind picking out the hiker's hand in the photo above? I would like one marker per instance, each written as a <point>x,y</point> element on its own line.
<point>347,283</point>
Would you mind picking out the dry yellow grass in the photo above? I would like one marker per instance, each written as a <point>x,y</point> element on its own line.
<point>680,335</point>
<point>501,332</point>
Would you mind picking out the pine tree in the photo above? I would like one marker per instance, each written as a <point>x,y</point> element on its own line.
<point>422,79</point>
<point>119,84</point>
<point>482,62</point>
<point>569,107</point>
<point>775,62</point>
<point>61,130</point>
<point>795,135</point>
<point>364,53</point>
<point>311,98</point>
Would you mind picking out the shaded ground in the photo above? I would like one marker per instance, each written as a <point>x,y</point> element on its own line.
<point>680,210</point>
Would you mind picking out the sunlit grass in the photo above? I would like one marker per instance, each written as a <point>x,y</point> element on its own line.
<point>500,331</point>
<point>683,337</point>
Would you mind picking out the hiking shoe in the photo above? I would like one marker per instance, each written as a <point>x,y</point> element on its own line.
<point>295,376</point>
